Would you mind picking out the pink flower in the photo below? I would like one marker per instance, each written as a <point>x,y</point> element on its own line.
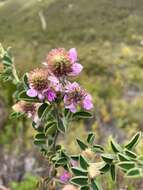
<point>55,83</point>
<point>43,85</point>
<point>65,177</point>
<point>50,95</point>
<point>75,95</point>
<point>63,63</point>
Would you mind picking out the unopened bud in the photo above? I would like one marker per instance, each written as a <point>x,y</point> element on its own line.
<point>87,153</point>
<point>94,169</point>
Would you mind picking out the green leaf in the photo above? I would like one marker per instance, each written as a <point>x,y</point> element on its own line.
<point>40,136</point>
<point>50,128</point>
<point>130,154</point>
<point>113,172</point>
<point>79,171</point>
<point>115,146</point>
<point>134,141</point>
<point>83,162</point>
<point>135,172</point>
<point>126,165</point>
<point>39,142</point>
<point>7,60</point>
<point>91,138</point>
<point>75,157</point>
<point>108,158</point>
<point>62,161</point>
<point>61,124</point>
<point>97,148</point>
<point>95,185</point>
<point>42,110</point>
<point>16,115</point>
<point>82,115</point>
<point>123,157</point>
<point>25,81</point>
<point>79,180</point>
<point>105,168</point>
<point>140,159</point>
<point>81,144</point>
<point>23,96</point>
<point>67,113</point>
<point>85,188</point>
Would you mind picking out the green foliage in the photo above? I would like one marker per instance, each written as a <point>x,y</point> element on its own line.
<point>29,183</point>
<point>54,121</point>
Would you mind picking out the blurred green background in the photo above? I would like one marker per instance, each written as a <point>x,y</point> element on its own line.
<point>108,35</point>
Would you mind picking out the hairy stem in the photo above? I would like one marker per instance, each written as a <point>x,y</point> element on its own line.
<point>14,72</point>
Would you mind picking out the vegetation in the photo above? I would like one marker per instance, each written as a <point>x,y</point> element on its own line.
<point>108,37</point>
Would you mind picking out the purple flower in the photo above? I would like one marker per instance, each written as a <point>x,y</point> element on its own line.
<point>43,85</point>
<point>75,95</point>
<point>50,95</point>
<point>55,83</point>
<point>65,177</point>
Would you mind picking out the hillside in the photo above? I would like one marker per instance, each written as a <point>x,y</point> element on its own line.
<point>68,23</point>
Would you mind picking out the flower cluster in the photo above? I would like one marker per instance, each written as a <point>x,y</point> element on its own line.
<point>51,81</point>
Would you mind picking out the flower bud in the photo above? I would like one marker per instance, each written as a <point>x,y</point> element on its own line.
<point>94,169</point>
<point>87,153</point>
<point>25,107</point>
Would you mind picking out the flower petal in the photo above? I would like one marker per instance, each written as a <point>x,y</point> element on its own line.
<point>31,93</point>
<point>51,95</point>
<point>73,54</point>
<point>76,69</point>
<point>55,83</point>
<point>87,102</point>
<point>71,107</point>
<point>41,96</point>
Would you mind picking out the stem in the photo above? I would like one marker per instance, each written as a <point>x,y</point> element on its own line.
<point>14,72</point>
<point>55,139</point>
<point>57,132</point>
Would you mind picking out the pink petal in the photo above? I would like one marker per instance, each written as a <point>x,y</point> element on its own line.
<point>41,96</point>
<point>76,69</point>
<point>55,83</point>
<point>73,54</point>
<point>70,87</point>
<point>71,107</point>
<point>31,93</point>
<point>87,103</point>
<point>51,95</point>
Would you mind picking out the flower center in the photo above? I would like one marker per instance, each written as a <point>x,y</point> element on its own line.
<point>40,83</point>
